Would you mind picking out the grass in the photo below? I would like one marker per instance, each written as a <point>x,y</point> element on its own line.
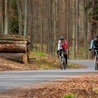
<point>79,53</point>
<point>37,53</point>
<point>71,65</point>
<point>45,61</point>
<point>69,96</point>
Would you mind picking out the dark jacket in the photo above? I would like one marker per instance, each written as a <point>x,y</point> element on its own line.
<point>95,44</point>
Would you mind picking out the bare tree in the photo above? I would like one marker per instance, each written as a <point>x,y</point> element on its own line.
<point>2,16</point>
<point>19,16</point>
<point>26,18</point>
<point>77,23</point>
<point>74,31</point>
<point>85,28</point>
<point>54,24</point>
<point>6,20</point>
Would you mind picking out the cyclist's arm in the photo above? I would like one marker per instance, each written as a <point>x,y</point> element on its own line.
<point>91,44</point>
<point>59,45</point>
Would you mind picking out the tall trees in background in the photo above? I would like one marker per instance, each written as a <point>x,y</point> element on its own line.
<point>68,29</point>
<point>31,33</point>
<point>6,18</point>
<point>49,28</point>
<point>19,7</point>
<point>77,23</point>
<point>85,27</point>
<point>2,16</point>
<point>42,22</point>
<point>74,30</point>
<point>26,18</point>
<point>54,24</point>
<point>46,20</point>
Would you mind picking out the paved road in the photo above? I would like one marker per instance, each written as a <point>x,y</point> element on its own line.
<point>14,79</point>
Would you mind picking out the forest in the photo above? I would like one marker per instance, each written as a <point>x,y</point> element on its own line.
<point>37,73</point>
<point>46,20</point>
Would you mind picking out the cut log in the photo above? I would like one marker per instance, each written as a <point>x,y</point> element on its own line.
<point>25,58</point>
<point>14,37</point>
<point>13,48</point>
<point>15,44</point>
<point>12,42</point>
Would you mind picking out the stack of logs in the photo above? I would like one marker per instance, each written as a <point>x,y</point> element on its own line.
<point>14,44</point>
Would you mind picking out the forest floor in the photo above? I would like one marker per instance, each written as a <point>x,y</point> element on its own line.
<point>81,86</point>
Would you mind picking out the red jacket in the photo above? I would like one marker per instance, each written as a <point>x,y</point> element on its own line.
<point>64,45</point>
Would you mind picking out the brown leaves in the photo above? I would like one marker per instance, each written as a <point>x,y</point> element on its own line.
<point>84,86</point>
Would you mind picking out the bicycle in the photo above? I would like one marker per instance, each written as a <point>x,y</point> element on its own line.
<point>63,64</point>
<point>96,59</point>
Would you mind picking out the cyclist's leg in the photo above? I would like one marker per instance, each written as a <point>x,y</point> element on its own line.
<point>59,53</point>
<point>65,56</point>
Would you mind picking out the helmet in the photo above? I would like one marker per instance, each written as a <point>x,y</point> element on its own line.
<point>61,38</point>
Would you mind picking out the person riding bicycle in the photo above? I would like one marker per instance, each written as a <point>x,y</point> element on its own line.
<point>94,44</point>
<point>62,46</point>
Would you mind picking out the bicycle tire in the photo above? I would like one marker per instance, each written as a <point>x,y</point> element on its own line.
<point>96,66</point>
<point>62,64</point>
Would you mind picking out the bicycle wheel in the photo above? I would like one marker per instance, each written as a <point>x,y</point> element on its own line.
<point>96,62</point>
<point>64,65</point>
<point>61,63</point>
<point>96,66</point>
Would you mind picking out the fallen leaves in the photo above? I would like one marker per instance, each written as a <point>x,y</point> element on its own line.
<point>84,86</point>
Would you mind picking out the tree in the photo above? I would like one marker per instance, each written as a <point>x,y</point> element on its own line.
<point>74,31</point>
<point>19,16</point>
<point>77,23</point>
<point>54,23</point>
<point>26,18</point>
<point>85,28</point>
<point>2,16</point>
<point>68,21</point>
<point>6,20</point>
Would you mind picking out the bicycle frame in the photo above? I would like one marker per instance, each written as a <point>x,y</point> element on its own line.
<point>96,59</point>
<point>62,60</point>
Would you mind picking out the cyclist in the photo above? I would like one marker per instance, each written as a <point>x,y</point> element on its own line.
<point>62,46</point>
<point>94,44</point>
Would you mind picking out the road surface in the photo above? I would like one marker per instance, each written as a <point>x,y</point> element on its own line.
<point>14,79</point>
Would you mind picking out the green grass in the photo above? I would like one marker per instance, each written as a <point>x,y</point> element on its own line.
<point>79,54</point>
<point>37,54</point>
<point>45,64</point>
<point>71,65</point>
<point>45,61</point>
<point>69,96</point>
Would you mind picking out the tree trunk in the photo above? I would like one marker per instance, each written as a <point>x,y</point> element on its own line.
<point>77,24</point>
<point>68,22</point>
<point>85,29</point>
<point>54,24</point>
<point>31,25</point>
<point>92,26</point>
<point>26,19</point>
<point>74,32</point>
<point>19,16</point>
<point>42,22</point>
<point>6,22</point>
<point>49,25</point>
<point>2,16</point>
